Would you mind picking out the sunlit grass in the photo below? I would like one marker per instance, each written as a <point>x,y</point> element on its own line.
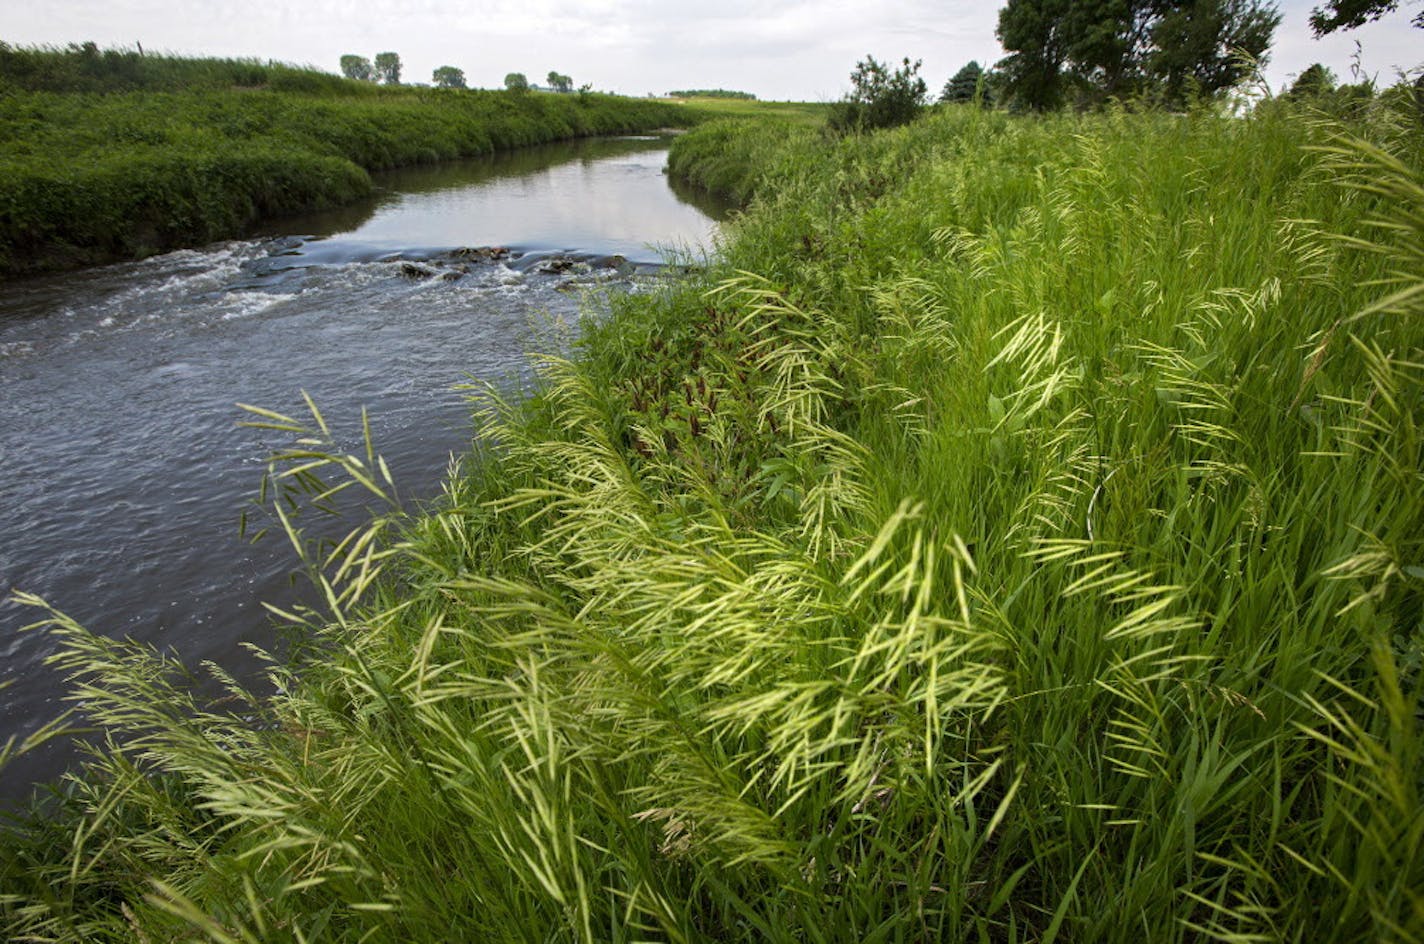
<point>1016,537</point>
<point>807,113</point>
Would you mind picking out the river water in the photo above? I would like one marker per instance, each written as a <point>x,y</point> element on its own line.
<point>123,471</point>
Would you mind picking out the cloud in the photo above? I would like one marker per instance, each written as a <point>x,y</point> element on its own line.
<point>795,49</point>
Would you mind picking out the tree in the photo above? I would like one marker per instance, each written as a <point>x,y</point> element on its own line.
<point>1101,49</point>
<point>388,68</point>
<point>1032,31</point>
<point>560,83</point>
<point>358,68</point>
<point>1313,82</point>
<point>880,98</point>
<point>966,84</point>
<point>1210,45</point>
<point>1348,14</point>
<point>516,82</point>
<point>448,77</point>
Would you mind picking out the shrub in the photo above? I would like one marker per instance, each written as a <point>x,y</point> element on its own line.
<point>880,98</point>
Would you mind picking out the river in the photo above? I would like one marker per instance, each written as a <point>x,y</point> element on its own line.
<point>123,470</point>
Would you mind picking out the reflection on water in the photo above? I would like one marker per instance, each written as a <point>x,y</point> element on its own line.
<point>591,196</point>
<point>122,468</point>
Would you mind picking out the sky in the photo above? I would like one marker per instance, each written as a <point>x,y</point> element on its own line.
<point>795,49</point>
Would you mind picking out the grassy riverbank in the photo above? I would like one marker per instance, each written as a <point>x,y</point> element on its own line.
<point>1017,537</point>
<point>178,152</point>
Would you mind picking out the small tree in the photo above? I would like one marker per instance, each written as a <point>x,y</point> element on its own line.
<point>1312,83</point>
<point>560,83</point>
<point>880,98</point>
<point>388,68</point>
<point>966,84</point>
<point>448,77</point>
<point>516,82</point>
<point>358,68</point>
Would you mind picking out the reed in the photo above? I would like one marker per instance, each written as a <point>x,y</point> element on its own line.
<point>1016,536</point>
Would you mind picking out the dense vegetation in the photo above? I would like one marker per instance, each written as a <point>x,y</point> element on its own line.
<point>713,93</point>
<point>1017,536</point>
<point>1089,51</point>
<point>180,152</point>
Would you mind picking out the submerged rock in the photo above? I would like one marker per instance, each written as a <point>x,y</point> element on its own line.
<point>483,253</point>
<point>414,270</point>
<point>560,265</point>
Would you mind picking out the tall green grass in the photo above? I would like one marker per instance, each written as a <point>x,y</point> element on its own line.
<point>89,176</point>
<point>1017,537</point>
<point>87,68</point>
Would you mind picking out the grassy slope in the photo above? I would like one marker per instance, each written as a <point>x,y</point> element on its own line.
<point>180,158</point>
<point>1028,550</point>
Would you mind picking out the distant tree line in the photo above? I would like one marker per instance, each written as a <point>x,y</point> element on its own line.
<point>1083,53</point>
<point>386,69</point>
<point>712,93</point>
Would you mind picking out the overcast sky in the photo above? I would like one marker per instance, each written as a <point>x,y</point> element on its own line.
<point>797,49</point>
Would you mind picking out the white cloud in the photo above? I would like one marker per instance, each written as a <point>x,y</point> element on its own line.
<point>801,49</point>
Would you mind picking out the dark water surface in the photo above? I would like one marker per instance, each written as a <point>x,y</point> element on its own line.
<point>122,469</point>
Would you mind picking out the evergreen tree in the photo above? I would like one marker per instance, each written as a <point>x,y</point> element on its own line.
<point>965,85</point>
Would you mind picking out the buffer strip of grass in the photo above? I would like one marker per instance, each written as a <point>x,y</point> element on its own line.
<point>1017,537</point>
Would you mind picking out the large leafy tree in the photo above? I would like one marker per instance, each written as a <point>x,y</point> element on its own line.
<point>388,68</point>
<point>1034,33</point>
<point>357,67</point>
<point>448,77</point>
<point>1348,14</point>
<point>1112,48</point>
<point>1209,45</point>
<point>516,82</point>
<point>560,83</point>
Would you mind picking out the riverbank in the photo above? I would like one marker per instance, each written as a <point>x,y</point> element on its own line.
<point>99,176</point>
<point>1015,536</point>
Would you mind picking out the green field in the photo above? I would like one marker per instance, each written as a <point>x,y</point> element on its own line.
<point>120,156</point>
<point>806,113</point>
<point>1017,535</point>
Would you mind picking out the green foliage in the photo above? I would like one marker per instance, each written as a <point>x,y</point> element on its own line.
<point>1016,536</point>
<point>448,77</point>
<point>358,68</point>
<point>86,68</point>
<point>96,177</point>
<point>879,98</point>
<point>516,82</point>
<point>713,93</point>
<point>388,68</point>
<point>731,157</point>
<point>1314,81</point>
<point>560,83</point>
<point>1349,14</point>
<point>1175,49</point>
<point>967,85</point>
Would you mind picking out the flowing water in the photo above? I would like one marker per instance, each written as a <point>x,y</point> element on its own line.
<point>123,471</point>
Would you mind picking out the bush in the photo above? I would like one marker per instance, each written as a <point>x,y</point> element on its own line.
<point>880,98</point>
